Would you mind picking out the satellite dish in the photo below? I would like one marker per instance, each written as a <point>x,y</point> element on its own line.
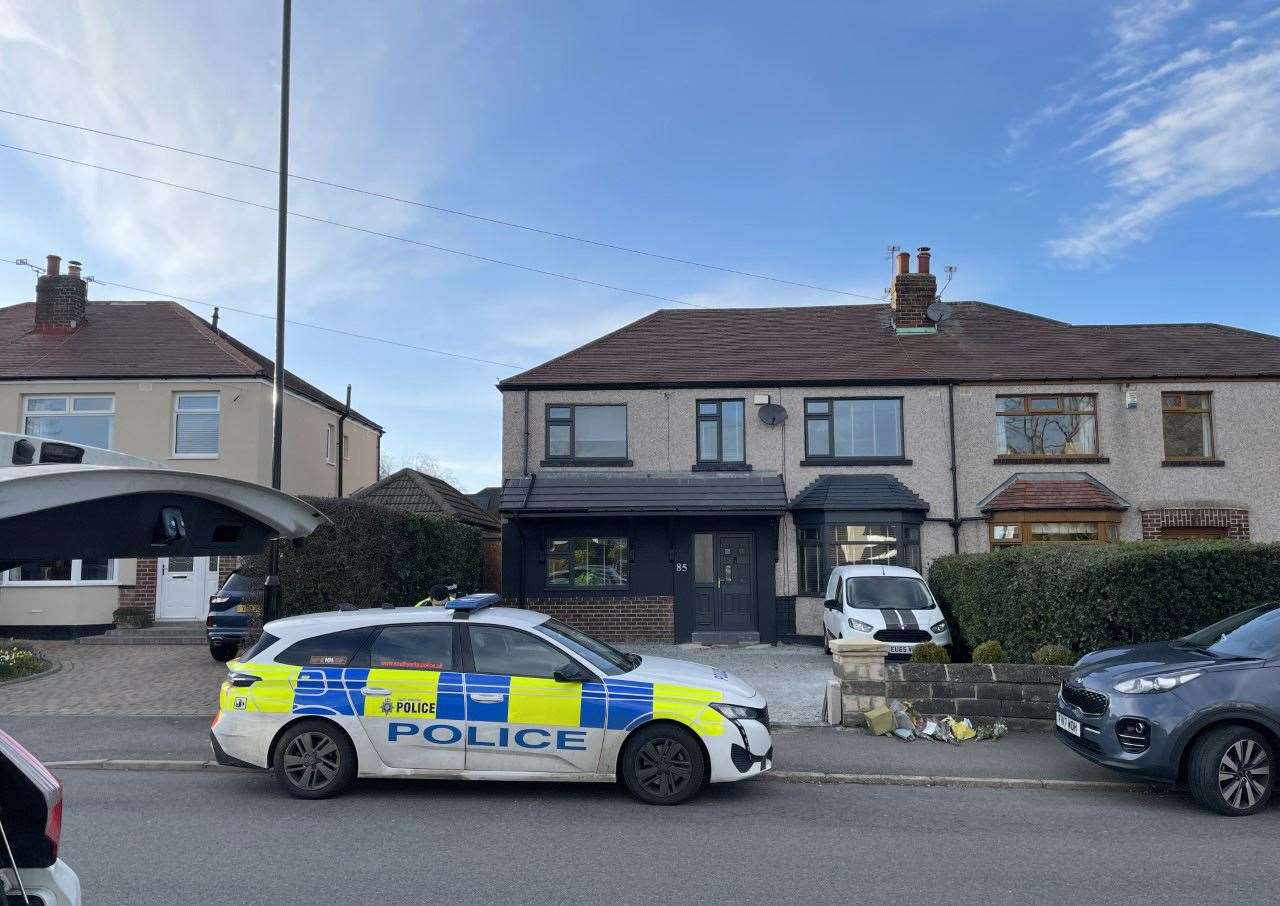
<point>939,311</point>
<point>772,414</point>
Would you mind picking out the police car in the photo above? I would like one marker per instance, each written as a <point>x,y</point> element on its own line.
<point>480,692</point>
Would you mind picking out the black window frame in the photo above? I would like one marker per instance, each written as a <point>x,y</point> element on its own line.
<point>824,522</point>
<point>829,458</point>
<point>365,655</point>
<point>809,541</point>
<point>359,656</point>
<point>551,537</point>
<point>571,423</point>
<point>469,660</point>
<point>718,462</point>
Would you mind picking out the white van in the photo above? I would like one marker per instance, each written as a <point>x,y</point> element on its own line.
<point>890,604</point>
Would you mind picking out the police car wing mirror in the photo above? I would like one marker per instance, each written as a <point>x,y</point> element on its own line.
<point>571,673</point>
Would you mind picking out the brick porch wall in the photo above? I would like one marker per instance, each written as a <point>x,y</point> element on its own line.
<point>631,619</point>
<point>226,566</point>
<point>1235,521</point>
<point>143,592</point>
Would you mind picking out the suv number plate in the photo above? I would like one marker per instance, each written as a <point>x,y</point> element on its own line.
<point>1066,723</point>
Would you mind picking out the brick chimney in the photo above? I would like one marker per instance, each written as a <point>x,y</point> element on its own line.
<point>60,298</point>
<point>912,293</point>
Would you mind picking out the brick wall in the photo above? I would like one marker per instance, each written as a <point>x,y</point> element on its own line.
<point>143,592</point>
<point>910,296</point>
<point>60,302</point>
<point>226,566</point>
<point>1234,521</point>
<point>1023,696</point>
<point>630,619</point>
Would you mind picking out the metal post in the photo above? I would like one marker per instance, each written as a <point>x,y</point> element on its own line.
<point>342,443</point>
<point>271,593</point>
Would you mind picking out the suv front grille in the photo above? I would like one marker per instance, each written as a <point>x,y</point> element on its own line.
<point>1088,701</point>
<point>902,635</point>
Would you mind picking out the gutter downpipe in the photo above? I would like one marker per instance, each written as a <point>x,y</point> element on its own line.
<point>516,518</point>
<point>955,480</point>
<point>342,444</point>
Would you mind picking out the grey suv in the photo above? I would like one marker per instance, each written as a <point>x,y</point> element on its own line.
<point>1202,710</point>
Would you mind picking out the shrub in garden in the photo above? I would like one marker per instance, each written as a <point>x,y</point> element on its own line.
<point>929,653</point>
<point>1053,656</point>
<point>371,555</point>
<point>1087,597</point>
<point>988,653</point>
<point>19,660</point>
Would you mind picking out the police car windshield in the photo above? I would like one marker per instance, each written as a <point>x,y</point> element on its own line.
<point>887,593</point>
<point>602,656</point>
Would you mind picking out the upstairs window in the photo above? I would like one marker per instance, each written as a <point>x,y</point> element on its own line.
<point>837,429</point>
<point>721,431</point>
<point>1047,426</point>
<point>196,420</point>
<point>582,432</point>
<point>1188,425</point>
<point>85,420</point>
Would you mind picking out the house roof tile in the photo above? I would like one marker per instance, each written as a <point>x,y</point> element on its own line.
<point>644,493</point>
<point>858,492</point>
<point>416,492</point>
<point>1052,491</point>
<point>855,344</point>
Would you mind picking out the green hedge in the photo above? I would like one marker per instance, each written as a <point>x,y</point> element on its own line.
<point>372,555</point>
<point>1090,597</point>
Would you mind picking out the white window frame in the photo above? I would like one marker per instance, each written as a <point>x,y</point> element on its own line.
<point>346,447</point>
<point>330,434</point>
<point>75,579</point>
<point>70,412</point>
<point>173,430</point>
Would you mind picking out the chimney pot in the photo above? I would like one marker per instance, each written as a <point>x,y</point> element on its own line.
<point>53,265</point>
<point>903,263</point>
<point>73,268</point>
<point>922,259</point>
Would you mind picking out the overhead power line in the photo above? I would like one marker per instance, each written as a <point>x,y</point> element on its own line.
<point>354,228</point>
<point>498,221</point>
<point>255,314</point>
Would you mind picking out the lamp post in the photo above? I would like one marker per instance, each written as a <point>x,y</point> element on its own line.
<point>271,593</point>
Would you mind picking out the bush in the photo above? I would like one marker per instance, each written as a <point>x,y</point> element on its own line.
<point>989,653</point>
<point>20,660</point>
<point>1053,656</point>
<point>1100,596</point>
<point>929,653</point>
<point>369,556</point>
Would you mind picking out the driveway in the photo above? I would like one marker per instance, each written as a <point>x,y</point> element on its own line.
<point>792,677</point>
<point>146,680</point>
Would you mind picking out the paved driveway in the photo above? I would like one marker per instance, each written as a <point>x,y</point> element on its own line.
<point>792,677</point>
<point>151,680</point>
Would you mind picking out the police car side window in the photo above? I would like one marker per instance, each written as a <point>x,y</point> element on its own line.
<point>333,649</point>
<point>509,652</point>
<point>413,648</point>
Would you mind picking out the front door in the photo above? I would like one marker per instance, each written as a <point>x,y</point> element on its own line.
<point>181,588</point>
<point>519,716</point>
<point>724,581</point>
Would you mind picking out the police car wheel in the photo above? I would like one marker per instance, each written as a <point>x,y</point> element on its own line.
<point>314,760</point>
<point>663,765</point>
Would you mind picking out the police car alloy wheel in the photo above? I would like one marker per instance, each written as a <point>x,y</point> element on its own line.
<point>663,765</point>
<point>314,760</point>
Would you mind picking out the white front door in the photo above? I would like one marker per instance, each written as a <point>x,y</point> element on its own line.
<point>182,588</point>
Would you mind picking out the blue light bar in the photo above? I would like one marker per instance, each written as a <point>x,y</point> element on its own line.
<point>474,602</point>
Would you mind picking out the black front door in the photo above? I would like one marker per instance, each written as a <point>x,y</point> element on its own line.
<point>724,581</point>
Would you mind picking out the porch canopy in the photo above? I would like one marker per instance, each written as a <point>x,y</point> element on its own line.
<point>645,493</point>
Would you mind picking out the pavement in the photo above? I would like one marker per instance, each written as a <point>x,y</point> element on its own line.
<point>153,838</point>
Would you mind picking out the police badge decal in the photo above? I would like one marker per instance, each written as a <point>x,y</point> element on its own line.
<point>386,706</point>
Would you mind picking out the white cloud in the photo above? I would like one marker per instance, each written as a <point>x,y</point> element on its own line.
<point>1145,21</point>
<point>1264,212</point>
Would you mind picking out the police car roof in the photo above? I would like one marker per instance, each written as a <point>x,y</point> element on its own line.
<point>316,623</point>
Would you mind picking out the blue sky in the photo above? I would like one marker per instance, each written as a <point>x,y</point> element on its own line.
<point>1093,162</point>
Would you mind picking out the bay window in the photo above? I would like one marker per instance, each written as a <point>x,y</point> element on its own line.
<point>1054,527</point>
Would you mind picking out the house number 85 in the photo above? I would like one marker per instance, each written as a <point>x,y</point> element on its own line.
<point>682,567</point>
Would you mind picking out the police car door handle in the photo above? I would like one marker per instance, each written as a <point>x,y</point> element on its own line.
<point>486,696</point>
<point>371,690</point>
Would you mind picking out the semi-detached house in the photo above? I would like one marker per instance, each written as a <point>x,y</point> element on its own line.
<point>698,473</point>
<point>154,380</point>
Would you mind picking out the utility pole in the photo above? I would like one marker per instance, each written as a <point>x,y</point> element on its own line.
<point>271,593</point>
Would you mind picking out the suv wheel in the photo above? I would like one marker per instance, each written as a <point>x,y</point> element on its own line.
<point>663,765</point>
<point>1232,771</point>
<point>314,760</point>
<point>222,653</point>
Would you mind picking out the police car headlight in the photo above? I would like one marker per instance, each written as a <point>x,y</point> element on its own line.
<point>859,626</point>
<point>739,712</point>
<point>938,627</point>
<point>1154,683</point>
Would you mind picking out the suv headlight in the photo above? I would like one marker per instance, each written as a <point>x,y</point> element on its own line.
<point>1161,683</point>
<point>938,627</point>
<point>859,626</point>
<point>740,712</point>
